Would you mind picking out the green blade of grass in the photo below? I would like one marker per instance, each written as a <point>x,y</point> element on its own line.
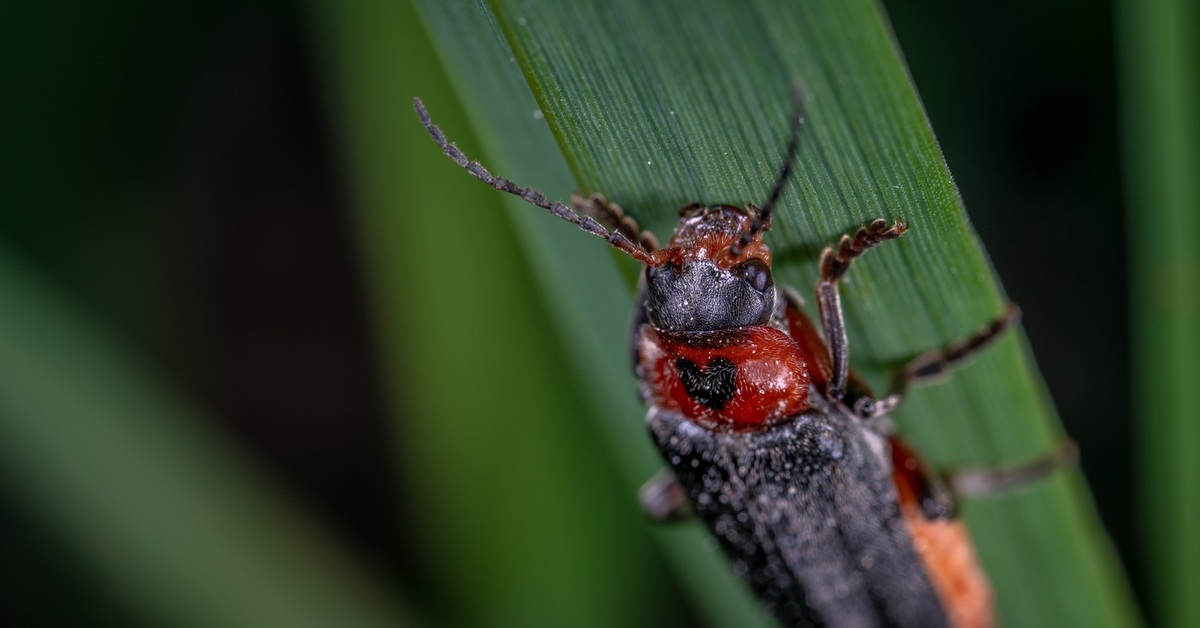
<point>660,104</point>
<point>161,511</point>
<point>1161,92</point>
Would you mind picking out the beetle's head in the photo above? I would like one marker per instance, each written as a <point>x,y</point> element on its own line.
<point>710,276</point>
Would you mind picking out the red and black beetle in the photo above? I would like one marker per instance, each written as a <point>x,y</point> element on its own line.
<point>769,438</point>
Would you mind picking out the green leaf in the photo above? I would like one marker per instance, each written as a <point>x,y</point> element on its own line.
<point>657,104</point>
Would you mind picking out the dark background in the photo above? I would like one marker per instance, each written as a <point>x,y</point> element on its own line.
<point>174,169</point>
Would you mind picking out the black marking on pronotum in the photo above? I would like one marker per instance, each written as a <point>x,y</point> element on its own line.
<point>713,385</point>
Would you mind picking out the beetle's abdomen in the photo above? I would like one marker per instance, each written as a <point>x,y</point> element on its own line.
<point>738,379</point>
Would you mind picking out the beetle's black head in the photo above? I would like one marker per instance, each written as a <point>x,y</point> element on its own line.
<point>708,278</point>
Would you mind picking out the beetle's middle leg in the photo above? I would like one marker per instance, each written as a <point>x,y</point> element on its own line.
<point>933,365</point>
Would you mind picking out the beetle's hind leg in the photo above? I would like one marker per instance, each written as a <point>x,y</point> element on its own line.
<point>992,480</point>
<point>936,493</point>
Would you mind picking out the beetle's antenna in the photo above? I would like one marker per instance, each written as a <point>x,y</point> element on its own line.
<point>762,218</point>
<point>616,238</point>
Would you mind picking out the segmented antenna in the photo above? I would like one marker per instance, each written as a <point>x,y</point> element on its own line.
<point>618,240</point>
<point>762,218</point>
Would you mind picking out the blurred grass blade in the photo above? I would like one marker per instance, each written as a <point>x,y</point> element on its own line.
<point>1160,76</point>
<point>96,447</point>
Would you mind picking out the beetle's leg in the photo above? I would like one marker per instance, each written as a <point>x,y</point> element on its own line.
<point>612,216</point>
<point>935,493</point>
<point>664,499</point>
<point>834,264</point>
<point>933,365</point>
<point>968,481</point>
<point>989,481</point>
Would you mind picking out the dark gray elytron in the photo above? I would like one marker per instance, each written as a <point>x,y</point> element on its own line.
<point>807,514</point>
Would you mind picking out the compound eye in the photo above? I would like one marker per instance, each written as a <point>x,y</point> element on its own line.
<point>756,273</point>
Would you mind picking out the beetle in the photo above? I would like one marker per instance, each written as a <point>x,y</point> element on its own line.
<point>769,437</point>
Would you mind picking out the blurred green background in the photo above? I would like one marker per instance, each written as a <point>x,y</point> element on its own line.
<point>211,415</point>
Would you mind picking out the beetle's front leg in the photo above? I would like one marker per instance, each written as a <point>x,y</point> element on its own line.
<point>834,264</point>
